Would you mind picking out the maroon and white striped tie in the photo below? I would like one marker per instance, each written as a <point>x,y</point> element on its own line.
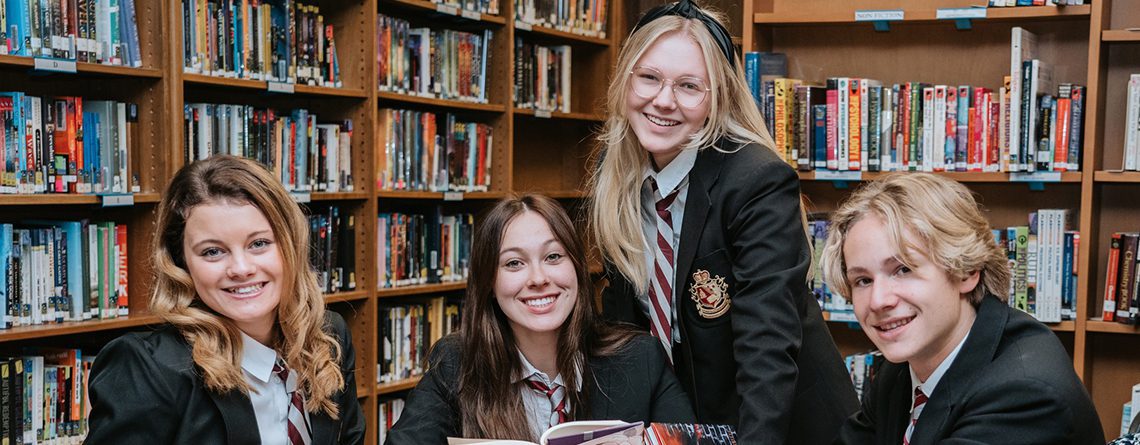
<point>557,396</point>
<point>661,285</point>
<point>299,433</point>
<point>919,402</point>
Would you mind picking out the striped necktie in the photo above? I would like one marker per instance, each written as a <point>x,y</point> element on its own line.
<point>661,286</point>
<point>916,409</point>
<point>299,433</point>
<point>557,395</point>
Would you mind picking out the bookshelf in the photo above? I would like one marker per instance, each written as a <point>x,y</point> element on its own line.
<point>1089,44</point>
<point>525,145</point>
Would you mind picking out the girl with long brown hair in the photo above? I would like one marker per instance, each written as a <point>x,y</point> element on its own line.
<point>249,355</point>
<point>531,353</point>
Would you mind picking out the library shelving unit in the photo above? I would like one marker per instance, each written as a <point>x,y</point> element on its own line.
<point>1088,45</point>
<point>533,151</point>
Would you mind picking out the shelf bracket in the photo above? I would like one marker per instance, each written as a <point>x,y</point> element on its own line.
<point>963,24</point>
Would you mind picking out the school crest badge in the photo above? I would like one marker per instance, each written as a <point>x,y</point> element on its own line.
<point>710,294</point>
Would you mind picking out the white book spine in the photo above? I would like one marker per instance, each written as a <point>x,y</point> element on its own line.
<point>939,142</point>
<point>1131,127</point>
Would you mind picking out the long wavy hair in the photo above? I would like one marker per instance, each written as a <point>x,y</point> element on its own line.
<point>215,341</point>
<point>925,213</point>
<point>492,407</point>
<point>615,196</point>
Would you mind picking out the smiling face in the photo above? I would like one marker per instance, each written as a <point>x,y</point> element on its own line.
<point>535,285</point>
<point>232,256</point>
<point>661,124</point>
<point>916,313</point>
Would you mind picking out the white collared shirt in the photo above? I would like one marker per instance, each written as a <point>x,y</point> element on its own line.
<point>267,392</point>
<point>536,404</point>
<point>674,176</point>
<point>931,382</point>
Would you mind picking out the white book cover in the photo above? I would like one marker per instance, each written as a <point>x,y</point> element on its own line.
<point>1131,124</point>
<point>886,130</point>
<point>939,142</point>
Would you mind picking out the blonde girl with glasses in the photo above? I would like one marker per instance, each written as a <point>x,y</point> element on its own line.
<point>699,224</point>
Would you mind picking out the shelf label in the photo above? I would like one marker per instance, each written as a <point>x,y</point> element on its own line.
<point>878,15</point>
<point>302,197</point>
<point>118,200</point>
<point>544,114</point>
<point>843,316</point>
<point>838,175</point>
<point>447,9</point>
<point>960,13</point>
<point>470,15</point>
<point>1035,177</point>
<point>57,65</point>
<point>523,26</point>
<point>452,196</point>
<point>280,87</point>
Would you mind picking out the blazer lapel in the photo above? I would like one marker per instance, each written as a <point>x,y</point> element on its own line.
<point>238,416</point>
<point>898,406</point>
<point>701,179</point>
<point>976,353</point>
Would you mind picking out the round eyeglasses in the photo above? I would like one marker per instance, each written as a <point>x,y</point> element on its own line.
<point>647,83</point>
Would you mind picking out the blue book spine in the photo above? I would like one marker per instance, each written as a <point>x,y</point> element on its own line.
<point>130,27</point>
<point>752,75</point>
<point>963,125</point>
<point>5,270</point>
<point>1067,283</point>
<point>19,23</point>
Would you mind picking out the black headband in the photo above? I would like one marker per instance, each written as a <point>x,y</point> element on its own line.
<point>689,10</point>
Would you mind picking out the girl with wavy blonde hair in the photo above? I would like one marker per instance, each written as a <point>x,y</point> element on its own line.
<point>700,227</point>
<point>250,349</point>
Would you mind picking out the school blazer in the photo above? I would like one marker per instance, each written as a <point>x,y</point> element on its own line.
<point>634,386</point>
<point>767,365</point>
<point>1011,383</point>
<point>145,390</point>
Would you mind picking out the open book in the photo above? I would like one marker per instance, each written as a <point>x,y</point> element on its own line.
<point>615,432</point>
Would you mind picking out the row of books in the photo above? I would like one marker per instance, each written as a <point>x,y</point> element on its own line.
<point>1042,263</point>
<point>542,76</point>
<point>586,17</point>
<point>1121,283</point>
<point>862,368</point>
<point>93,31</point>
<point>306,155</point>
<point>65,144</point>
<point>44,396</point>
<point>432,62</point>
<point>390,411</point>
<point>281,41</point>
<point>407,333</point>
<point>423,248</point>
<point>439,153</point>
<point>332,234</point>
<point>861,124</point>
<point>57,271</point>
<point>481,6</point>
<point>1132,125</point>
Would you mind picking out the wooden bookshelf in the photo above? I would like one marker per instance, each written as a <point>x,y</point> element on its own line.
<point>75,327</point>
<point>524,145</point>
<point>913,13</point>
<point>421,289</point>
<point>394,100</point>
<point>979,177</point>
<point>822,39</point>
<point>397,386</point>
